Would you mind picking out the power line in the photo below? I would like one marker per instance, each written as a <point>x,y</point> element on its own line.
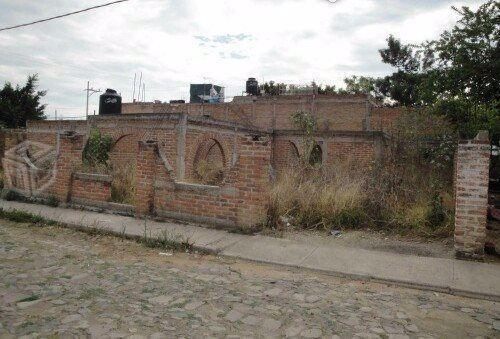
<point>62,15</point>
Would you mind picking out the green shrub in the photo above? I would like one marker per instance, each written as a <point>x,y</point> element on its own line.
<point>11,195</point>
<point>53,201</point>
<point>96,151</point>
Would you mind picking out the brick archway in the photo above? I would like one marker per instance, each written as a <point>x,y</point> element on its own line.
<point>209,148</point>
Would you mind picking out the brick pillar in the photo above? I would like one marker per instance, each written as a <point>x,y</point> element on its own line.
<point>253,179</point>
<point>145,177</point>
<point>69,157</point>
<point>471,196</point>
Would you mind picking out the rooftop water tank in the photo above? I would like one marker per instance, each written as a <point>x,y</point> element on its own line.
<point>110,102</point>
<point>252,87</point>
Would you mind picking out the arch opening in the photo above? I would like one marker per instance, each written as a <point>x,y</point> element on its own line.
<point>209,163</point>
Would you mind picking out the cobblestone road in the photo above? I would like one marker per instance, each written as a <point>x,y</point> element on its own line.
<point>59,282</point>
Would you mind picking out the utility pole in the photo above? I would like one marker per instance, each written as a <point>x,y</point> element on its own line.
<point>89,91</point>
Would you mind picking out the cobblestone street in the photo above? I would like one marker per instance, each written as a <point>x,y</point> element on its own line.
<point>60,282</point>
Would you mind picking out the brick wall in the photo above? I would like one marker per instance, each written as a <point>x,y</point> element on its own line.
<point>69,159</point>
<point>162,150</point>
<point>384,118</point>
<point>89,188</point>
<point>238,201</point>
<point>362,147</point>
<point>342,112</point>
<point>471,180</point>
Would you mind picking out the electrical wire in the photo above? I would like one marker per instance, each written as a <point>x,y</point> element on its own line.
<point>62,15</point>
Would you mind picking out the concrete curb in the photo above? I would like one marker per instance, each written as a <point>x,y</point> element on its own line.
<point>464,278</point>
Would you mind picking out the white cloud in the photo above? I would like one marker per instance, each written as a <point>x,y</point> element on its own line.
<point>178,42</point>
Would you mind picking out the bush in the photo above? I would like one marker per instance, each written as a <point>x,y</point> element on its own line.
<point>414,176</point>
<point>52,201</point>
<point>11,195</point>
<point>408,192</point>
<point>96,151</point>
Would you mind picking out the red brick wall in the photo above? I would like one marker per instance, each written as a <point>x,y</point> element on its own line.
<point>145,177</point>
<point>70,158</point>
<point>364,148</point>
<point>241,198</point>
<point>90,187</point>
<point>363,152</point>
<point>342,113</point>
<point>472,179</point>
<point>384,118</point>
<point>285,153</point>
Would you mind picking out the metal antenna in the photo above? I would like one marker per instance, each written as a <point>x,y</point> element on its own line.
<point>133,95</point>
<point>139,94</point>
<point>144,92</point>
<point>90,91</point>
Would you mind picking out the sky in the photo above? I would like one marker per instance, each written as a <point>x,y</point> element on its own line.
<point>177,42</point>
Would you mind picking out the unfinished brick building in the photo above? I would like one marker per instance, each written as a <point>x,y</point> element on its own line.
<point>251,138</point>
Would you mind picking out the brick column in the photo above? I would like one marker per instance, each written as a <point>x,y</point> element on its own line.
<point>471,193</point>
<point>145,177</point>
<point>253,179</point>
<point>69,157</point>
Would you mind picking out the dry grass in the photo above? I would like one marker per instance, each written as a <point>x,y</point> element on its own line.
<point>319,197</point>
<point>409,192</point>
<point>210,172</point>
<point>123,184</point>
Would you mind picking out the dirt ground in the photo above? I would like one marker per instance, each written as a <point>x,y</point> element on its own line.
<point>378,241</point>
<point>56,282</point>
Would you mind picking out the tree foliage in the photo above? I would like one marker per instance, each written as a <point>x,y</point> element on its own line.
<point>273,88</point>
<point>19,104</point>
<point>456,75</point>
<point>463,62</point>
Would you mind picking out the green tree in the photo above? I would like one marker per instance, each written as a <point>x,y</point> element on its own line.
<point>468,56</point>
<point>272,88</point>
<point>463,63</point>
<point>456,75</point>
<point>19,104</point>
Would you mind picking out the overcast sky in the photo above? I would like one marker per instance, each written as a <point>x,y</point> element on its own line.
<point>178,42</point>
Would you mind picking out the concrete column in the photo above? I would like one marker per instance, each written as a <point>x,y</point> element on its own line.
<point>471,193</point>
<point>145,177</point>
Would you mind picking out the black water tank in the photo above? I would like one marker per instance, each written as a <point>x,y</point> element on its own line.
<point>252,87</point>
<point>110,103</point>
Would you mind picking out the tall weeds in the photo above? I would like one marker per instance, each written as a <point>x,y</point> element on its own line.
<point>410,191</point>
<point>321,198</point>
